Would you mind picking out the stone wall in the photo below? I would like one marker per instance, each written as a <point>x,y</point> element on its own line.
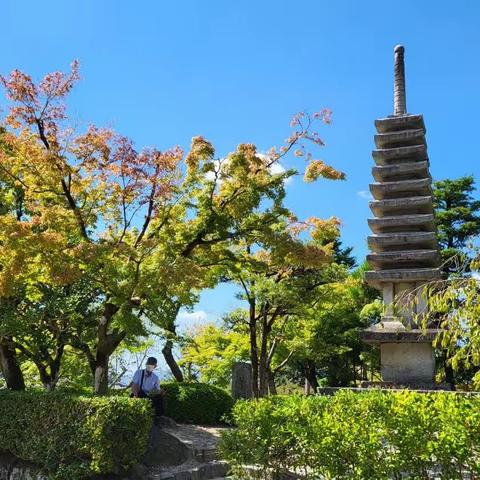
<point>13,469</point>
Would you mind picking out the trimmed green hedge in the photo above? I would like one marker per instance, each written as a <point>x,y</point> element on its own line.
<point>73,437</point>
<point>197,403</point>
<point>372,435</point>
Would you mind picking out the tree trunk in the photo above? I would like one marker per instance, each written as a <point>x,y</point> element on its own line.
<point>272,388</point>
<point>107,342</point>
<point>10,367</point>
<point>105,347</point>
<point>450,377</point>
<point>167,352</point>
<point>48,380</point>
<point>254,350</point>
<point>263,383</point>
<point>311,376</point>
<point>101,372</point>
<point>307,388</point>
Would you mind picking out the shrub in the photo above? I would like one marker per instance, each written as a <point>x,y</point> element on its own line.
<point>358,436</point>
<point>197,403</point>
<point>73,437</point>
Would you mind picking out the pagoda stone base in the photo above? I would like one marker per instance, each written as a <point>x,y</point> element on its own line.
<point>408,363</point>
<point>406,356</point>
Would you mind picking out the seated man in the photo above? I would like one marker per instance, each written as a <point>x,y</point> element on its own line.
<point>146,384</point>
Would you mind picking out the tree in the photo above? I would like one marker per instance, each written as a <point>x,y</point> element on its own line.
<point>41,327</point>
<point>210,351</point>
<point>326,339</point>
<point>10,203</point>
<point>457,218</point>
<point>343,256</point>
<point>148,228</point>
<point>454,306</point>
<point>279,278</point>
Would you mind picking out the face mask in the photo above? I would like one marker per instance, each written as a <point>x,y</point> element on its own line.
<point>150,368</point>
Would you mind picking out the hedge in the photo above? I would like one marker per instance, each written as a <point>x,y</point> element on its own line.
<point>198,403</point>
<point>73,437</point>
<point>372,435</point>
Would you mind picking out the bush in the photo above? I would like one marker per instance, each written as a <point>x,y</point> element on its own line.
<point>73,437</point>
<point>199,403</point>
<point>372,435</point>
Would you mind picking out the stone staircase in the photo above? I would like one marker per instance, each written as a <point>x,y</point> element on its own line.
<point>182,452</point>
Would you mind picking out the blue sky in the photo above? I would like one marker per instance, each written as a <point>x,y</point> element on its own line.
<point>162,72</point>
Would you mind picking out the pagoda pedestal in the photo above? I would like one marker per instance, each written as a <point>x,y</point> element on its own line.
<point>403,243</point>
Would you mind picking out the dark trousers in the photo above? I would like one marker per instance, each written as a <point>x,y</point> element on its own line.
<point>157,402</point>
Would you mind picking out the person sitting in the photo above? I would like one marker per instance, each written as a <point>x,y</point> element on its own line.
<point>146,384</point>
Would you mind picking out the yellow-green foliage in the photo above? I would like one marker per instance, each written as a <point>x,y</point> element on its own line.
<point>370,435</point>
<point>197,403</point>
<point>73,437</point>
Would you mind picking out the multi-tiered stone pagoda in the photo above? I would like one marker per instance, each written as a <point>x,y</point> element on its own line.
<point>404,249</point>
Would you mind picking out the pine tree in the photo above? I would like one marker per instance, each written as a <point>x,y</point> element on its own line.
<point>458,220</point>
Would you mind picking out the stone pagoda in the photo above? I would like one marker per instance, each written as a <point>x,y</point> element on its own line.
<point>404,249</point>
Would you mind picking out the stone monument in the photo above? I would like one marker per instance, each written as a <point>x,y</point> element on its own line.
<point>404,249</point>
<point>242,380</point>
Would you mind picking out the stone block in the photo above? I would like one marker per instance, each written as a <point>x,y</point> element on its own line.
<point>412,170</point>
<point>400,138</point>
<point>397,240</point>
<point>376,279</point>
<point>242,380</point>
<point>400,122</point>
<point>408,363</point>
<point>403,223</point>
<point>401,188</point>
<point>403,259</point>
<point>410,153</point>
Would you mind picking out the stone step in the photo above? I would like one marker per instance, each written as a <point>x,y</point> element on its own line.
<point>402,240</point>
<point>386,156</point>
<point>402,188</point>
<point>401,138</point>
<point>401,122</point>
<point>205,471</point>
<point>206,454</point>
<point>403,223</point>
<point>377,278</point>
<point>401,171</point>
<point>403,259</point>
<point>402,206</point>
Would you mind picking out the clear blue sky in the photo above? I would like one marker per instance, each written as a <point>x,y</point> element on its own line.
<point>235,71</point>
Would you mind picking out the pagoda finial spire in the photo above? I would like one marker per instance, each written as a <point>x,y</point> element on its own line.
<point>399,98</point>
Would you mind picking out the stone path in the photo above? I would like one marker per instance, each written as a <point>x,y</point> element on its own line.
<point>183,452</point>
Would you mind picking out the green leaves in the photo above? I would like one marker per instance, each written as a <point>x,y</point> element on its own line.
<point>197,403</point>
<point>357,436</point>
<point>74,437</point>
<point>457,218</point>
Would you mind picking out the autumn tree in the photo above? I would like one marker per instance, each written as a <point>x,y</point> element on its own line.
<point>10,204</point>
<point>279,278</point>
<point>146,227</point>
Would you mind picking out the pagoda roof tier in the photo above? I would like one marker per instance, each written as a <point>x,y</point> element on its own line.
<point>401,171</point>
<point>399,122</point>
<point>403,223</point>
<point>409,153</point>
<point>402,240</point>
<point>403,259</point>
<point>401,188</point>
<point>377,278</point>
<point>402,138</point>
<point>404,205</point>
